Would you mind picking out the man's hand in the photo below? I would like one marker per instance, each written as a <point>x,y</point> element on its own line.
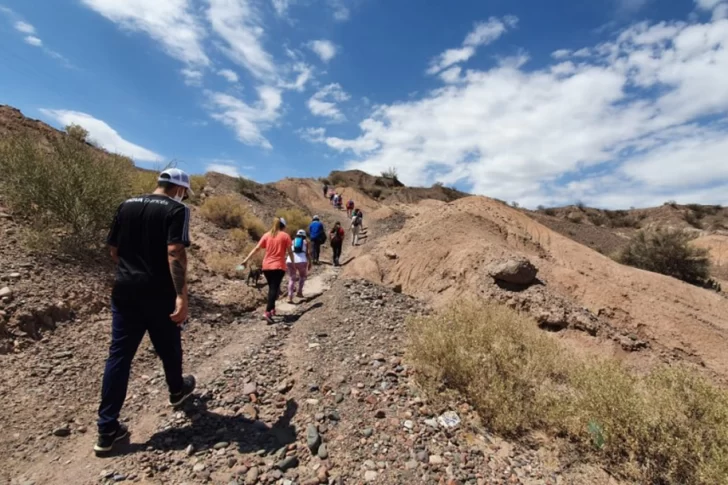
<point>180,311</point>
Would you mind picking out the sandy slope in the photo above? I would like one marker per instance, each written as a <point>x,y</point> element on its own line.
<point>443,252</point>
<point>717,245</point>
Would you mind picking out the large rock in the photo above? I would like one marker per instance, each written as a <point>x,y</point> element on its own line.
<point>518,271</point>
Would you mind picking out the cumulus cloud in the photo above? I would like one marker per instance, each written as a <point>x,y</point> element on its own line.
<point>644,116</point>
<point>325,49</point>
<point>24,27</point>
<point>229,75</point>
<point>172,23</point>
<point>223,168</point>
<point>281,6</point>
<point>102,134</point>
<point>192,77</point>
<point>484,33</point>
<point>33,40</point>
<point>248,121</point>
<point>324,102</point>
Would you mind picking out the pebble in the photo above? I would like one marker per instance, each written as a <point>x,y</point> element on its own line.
<point>370,475</point>
<point>423,456</point>
<point>62,431</point>
<point>313,438</point>
<point>199,467</point>
<point>250,388</point>
<point>436,460</point>
<point>380,414</point>
<point>409,424</point>
<point>367,432</point>
<point>411,465</point>
<point>221,445</point>
<point>190,450</point>
<point>252,476</point>
<point>119,478</point>
<point>5,292</point>
<point>287,463</point>
<point>323,452</point>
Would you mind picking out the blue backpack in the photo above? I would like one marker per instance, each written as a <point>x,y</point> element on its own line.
<point>298,244</point>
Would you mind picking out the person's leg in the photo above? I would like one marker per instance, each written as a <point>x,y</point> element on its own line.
<point>127,332</point>
<point>166,337</point>
<point>302,274</point>
<point>273,284</point>
<point>291,280</point>
<point>278,275</point>
<point>316,250</point>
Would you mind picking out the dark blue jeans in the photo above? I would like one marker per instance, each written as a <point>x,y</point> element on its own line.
<point>127,330</point>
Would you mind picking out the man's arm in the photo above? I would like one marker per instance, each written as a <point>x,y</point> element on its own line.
<point>114,251</point>
<point>177,257</point>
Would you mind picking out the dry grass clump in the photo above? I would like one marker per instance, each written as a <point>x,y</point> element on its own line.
<point>295,219</point>
<point>667,427</point>
<point>229,212</point>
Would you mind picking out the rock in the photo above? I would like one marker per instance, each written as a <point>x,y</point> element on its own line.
<point>380,414</point>
<point>190,450</point>
<point>62,431</point>
<point>449,420</point>
<point>323,451</point>
<point>283,387</point>
<point>252,476</point>
<point>397,288</point>
<point>250,411</point>
<point>423,457</point>
<point>370,475</point>
<point>390,254</point>
<point>409,424</point>
<point>119,477</point>
<point>411,465</point>
<point>221,445</point>
<point>367,432</point>
<point>518,270</point>
<point>14,276</point>
<point>313,438</point>
<point>323,475</point>
<point>199,467</point>
<point>370,465</point>
<point>436,460</point>
<point>250,388</point>
<point>6,292</point>
<point>379,356</point>
<point>287,463</point>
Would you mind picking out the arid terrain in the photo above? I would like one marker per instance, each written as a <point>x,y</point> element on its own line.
<point>329,395</point>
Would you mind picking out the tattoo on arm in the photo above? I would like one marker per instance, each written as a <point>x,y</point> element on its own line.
<point>178,268</point>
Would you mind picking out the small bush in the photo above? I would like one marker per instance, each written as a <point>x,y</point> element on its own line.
<point>438,185</point>
<point>668,252</point>
<point>373,192</point>
<point>575,217</point>
<point>665,427</point>
<point>77,132</point>
<point>515,204</point>
<point>671,203</point>
<point>224,263</point>
<point>66,186</point>
<point>144,182</point>
<point>597,218</point>
<point>580,205</point>
<point>693,219</point>
<point>550,211</point>
<point>295,219</point>
<point>390,173</point>
<point>337,180</point>
<point>226,211</point>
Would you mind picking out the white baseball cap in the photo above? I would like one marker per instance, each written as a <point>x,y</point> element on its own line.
<point>301,232</point>
<point>177,177</point>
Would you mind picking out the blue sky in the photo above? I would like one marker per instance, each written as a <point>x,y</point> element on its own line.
<point>616,103</point>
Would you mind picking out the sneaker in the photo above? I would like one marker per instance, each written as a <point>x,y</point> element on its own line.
<point>188,387</point>
<point>268,317</point>
<point>273,312</point>
<point>299,295</point>
<point>105,442</point>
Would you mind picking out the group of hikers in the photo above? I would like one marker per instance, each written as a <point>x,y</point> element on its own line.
<point>147,241</point>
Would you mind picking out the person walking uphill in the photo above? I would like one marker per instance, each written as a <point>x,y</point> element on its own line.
<point>147,242</point>
<point>336,236</point>
<point>277,245</point>
<point>299,266</point>
<point>317,232</point>
<point>355,228</point>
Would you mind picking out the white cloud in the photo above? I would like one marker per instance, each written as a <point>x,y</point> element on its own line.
<point>248,121</point>
<point>102,134</point>
<point>721,11</point>
<point>228,74</point>
<point>239,24</point>
<point>226,169</point>
<point>484,33</point>
<point>707,4</point>
<point>24,27</point>
<point>314,135</point>
<point>281,6</point>
<point>193,77</point>
<point>172,23</point>
<point>324,102</point>
<point>561,54</point>
<point>341,11</point>
<point>325,49</point>
<point>644,116</point>
<point>304,73</point>
<point>34,41</point>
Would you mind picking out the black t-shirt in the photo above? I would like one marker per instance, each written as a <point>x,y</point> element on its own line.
<point>142,229</point>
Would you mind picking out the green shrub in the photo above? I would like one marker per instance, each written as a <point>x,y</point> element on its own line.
<point>390,173</point>
<point>77,132</point>
<point>226,211</point>
<point>65,185</point>
<point>668,252</point>
<point>295,219</point>
<point>665,427</point>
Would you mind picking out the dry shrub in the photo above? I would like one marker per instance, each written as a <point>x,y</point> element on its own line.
<point>144,182</point>
<point>666,427</point>
<point>668,252</point>
<point>295,219</point>
<point>254,226</point>
<point>65,185</point>
<point>223,263</point>
<point>227,211</point>
<point>77,132</point>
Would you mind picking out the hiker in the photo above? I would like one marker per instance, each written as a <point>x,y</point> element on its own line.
<point>337,201</point>
<point>147,241</point>
<point>317,232</point>
<point>277,245</point>
<point>336,236</point>
<point>355,228</point>
<point>299,266</point>
<point>350,208</point>
<point>326,190</point>
<point>332,196</point>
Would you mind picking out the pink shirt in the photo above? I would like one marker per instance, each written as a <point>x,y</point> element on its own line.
<point>276,249</point>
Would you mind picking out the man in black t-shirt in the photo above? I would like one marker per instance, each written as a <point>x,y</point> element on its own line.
<point>147,241</point>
